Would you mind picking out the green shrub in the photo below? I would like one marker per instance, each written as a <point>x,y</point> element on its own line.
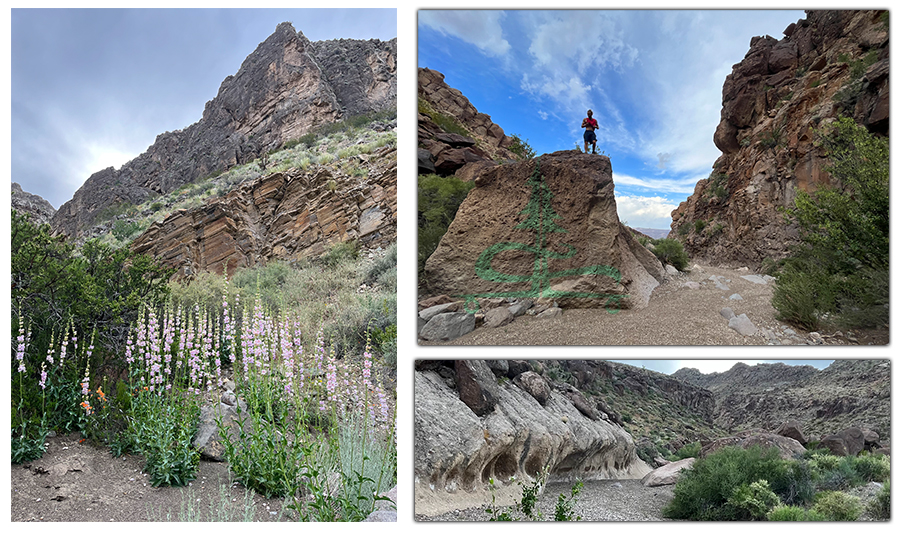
<point>521,148</point>
<point>699,225</point>
<point>753,501</point>
<point>684,229</point>
<point>794,513</point>
<point>671,251</point>
<point>837,506</point>
<point>439,198</point>
<point>702,492</point>
<point>841,267</point>
<point>880,507</point>
<point>339,252</point>
<point>871,468</point>
<point>691,450</point>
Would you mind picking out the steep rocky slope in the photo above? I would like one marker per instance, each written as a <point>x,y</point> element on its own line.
<point>846,393</point>
<point>33,205</point>
<point>775,100</point>
<point>285,88</point>
<point>453,137</point>
<point>284,215</point>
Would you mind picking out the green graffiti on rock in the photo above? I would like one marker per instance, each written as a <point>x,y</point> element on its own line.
<point>541,219</point>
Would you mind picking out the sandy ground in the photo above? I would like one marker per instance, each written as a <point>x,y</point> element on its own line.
<point>77,481</point>
<point>599,500</point>
<point>676,315</point>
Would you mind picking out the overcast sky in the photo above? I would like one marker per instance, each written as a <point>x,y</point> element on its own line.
<point>92,88</point>
<point>653,79</point>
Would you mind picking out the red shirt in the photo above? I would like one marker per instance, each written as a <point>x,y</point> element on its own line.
<point>590,123</point>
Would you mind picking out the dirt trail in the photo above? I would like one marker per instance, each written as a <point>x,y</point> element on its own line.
<point>676,315</point>
<point>77,481</point>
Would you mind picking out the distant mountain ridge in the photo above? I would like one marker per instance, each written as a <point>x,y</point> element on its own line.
<point>846,393</point>
<point>284,89</point>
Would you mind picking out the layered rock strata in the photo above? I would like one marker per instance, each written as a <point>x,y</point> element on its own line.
<point>830,64</point>
<point>287,87</point>
<point>544,228</point>
<point>284,216</point>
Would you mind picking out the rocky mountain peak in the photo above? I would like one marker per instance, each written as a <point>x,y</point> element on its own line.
<point>832,63</point>
<point>284,89</point>
<point>33,205</point>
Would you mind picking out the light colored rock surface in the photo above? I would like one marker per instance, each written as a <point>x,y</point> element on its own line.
<point>667,474</point>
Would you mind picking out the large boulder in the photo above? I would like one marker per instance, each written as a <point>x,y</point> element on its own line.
<point>667,474</point>
<point>548,228</point>
<point>848,442</point>
<point>788,448</point>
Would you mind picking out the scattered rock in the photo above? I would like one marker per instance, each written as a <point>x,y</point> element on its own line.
<point>742,325</point>
<point>448,326</point>
<point>501,316</point>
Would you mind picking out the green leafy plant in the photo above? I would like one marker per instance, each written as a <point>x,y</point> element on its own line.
<point>564,505</point>
<point>841,268</point>
<point>794,513</point>
<point>753,501</point>
<point>703,492</point>
<point>880,507</point>
<point>837,506</point>
<point>521,148</point>
<point>671,251</point>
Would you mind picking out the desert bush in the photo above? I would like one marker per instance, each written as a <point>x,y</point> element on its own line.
<point>702,492</point>
<point>871,468</point>
<point>671,251</point>
<point>338,253</point>
<point>837,506</point>
<point>880,507</point>
<point>794,513</point>
<point>691,450</point>
<point>521,148</point>
<point>841,267</point>
<point>753,501</point>
<point>699,225</point>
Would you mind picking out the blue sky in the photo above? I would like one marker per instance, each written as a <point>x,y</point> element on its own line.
<point>710,366</point>
<point>92,88</point>
<point>653,79</point>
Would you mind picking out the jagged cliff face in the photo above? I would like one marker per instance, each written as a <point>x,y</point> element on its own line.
<point>24,203</point>
<point>281,216</point>
<point>285,88</point>
<point>449,153</point>
<point>831,63</point>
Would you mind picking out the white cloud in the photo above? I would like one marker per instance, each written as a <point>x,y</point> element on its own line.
<point>653,212</point>
<point>543,115</point>
<point>479,28</point>
<point>684,186</point>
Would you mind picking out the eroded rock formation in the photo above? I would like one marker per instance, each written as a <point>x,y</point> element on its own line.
<point>478,420</point>
<point>784,91</point>
<point>546,227</point>
<point>285,88</point>
<point>282,216</point>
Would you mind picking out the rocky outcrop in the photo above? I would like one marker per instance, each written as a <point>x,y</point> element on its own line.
<point>459,447</point>
<point>784,91</point>
<point>285,88</point>
<point>818,403</point>
<point>24,203</point>
<point>284,216</point>
<point>448,152</point>
<point>544,228</point>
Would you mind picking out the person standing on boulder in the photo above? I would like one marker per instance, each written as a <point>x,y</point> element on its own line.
<point>590,124</point>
